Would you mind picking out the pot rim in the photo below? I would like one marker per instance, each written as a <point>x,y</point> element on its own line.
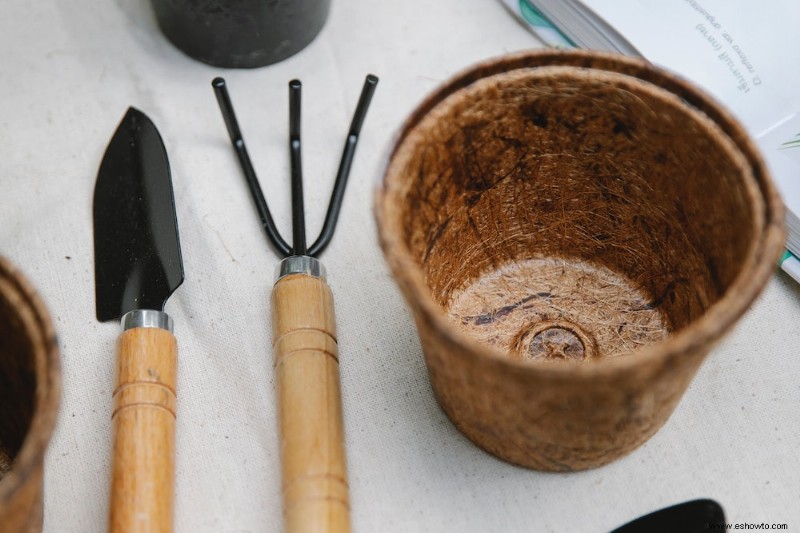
<point>38,326</point>
<point>719,318</point>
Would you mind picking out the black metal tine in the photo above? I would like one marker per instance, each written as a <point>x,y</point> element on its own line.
<point>348,153</point>
<point>298,212</point>
<point>228,114</point>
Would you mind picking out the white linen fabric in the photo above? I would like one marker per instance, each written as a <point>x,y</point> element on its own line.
<point>69,70</point>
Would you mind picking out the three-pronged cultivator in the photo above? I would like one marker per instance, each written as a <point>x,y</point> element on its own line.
<point>315,490</point>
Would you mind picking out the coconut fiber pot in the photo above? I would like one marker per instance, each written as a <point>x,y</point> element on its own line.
<point>573,232</point>
<point>30,387</point>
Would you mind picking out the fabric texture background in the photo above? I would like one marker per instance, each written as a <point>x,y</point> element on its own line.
<point>69,72</point>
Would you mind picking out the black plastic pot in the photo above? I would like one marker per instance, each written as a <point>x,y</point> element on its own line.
<point>241,33</point>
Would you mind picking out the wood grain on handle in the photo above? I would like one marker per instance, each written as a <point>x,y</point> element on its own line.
<point>315,490</point>
<point>143,421</point>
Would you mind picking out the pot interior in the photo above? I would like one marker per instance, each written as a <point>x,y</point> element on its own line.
<point>566,213</point>
<point>17,383</point>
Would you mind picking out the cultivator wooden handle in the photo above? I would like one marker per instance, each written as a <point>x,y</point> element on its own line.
<point>315,490</point>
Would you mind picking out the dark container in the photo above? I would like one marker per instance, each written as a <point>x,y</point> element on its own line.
<point>241,33</point>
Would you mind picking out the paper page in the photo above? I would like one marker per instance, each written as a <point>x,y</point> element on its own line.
<point>781,149</point>
<point>743,52</point>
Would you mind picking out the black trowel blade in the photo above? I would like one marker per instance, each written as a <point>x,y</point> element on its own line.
<point>137,255</point>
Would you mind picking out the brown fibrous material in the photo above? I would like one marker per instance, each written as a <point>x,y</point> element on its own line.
<point>30,388</point>
<point>573,232</point>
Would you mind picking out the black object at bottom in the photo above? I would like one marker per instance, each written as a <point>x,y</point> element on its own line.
<point>688,517</point>
<point>241,33</point>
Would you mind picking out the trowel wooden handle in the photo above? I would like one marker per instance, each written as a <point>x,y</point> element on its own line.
<point>315,490</point>
<point>143,420</point>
